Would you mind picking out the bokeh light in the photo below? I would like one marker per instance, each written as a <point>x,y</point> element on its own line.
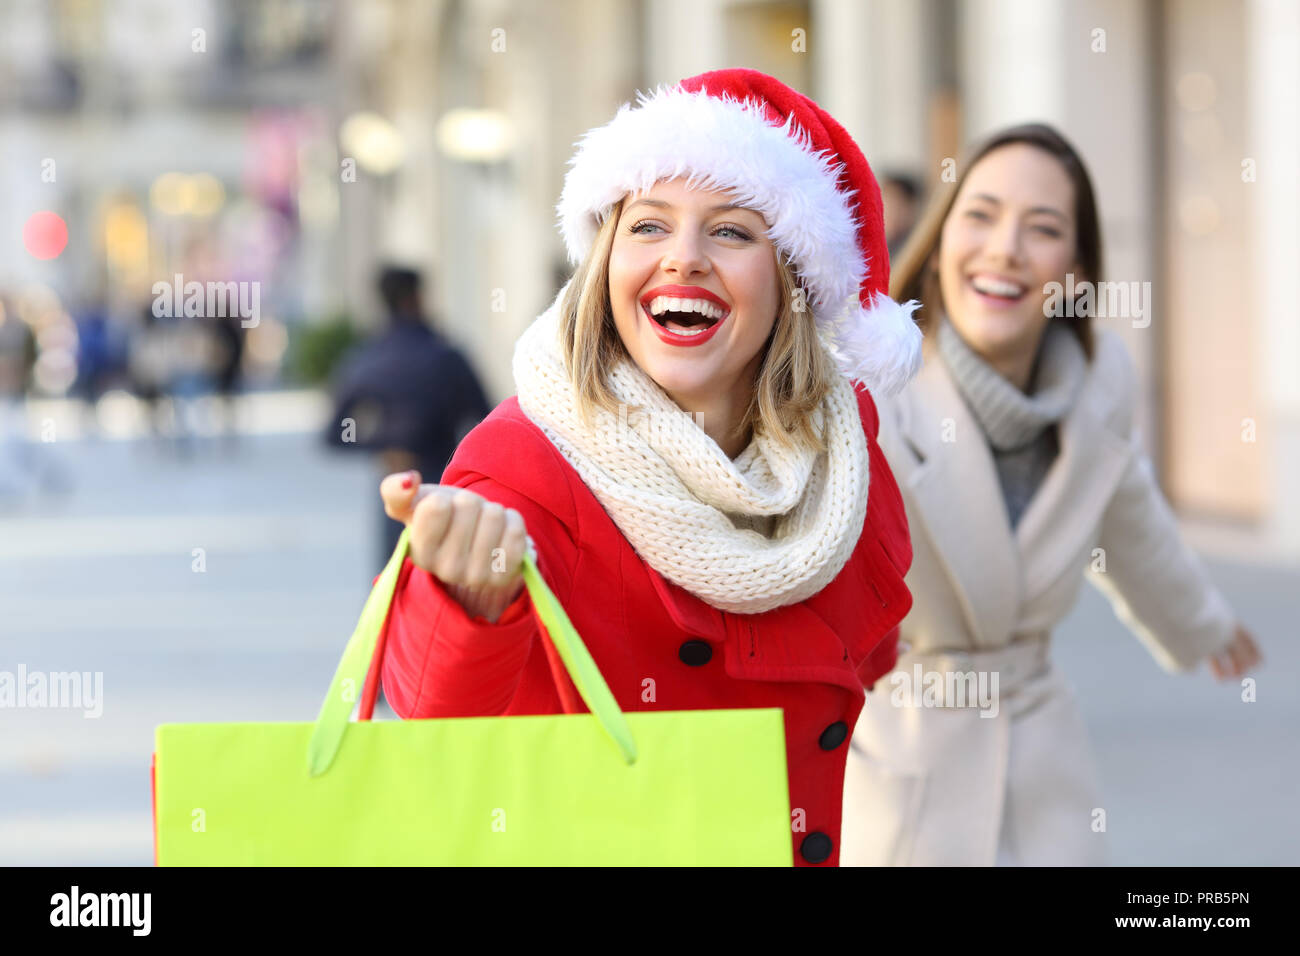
<point>477,136</point>
<point>45,235</point>
<point>373,141</point>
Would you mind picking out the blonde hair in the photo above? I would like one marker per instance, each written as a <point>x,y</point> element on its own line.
<point>792,380</point>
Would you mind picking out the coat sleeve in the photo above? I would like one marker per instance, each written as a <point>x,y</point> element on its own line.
<point>440,662</point>
<point>1157,586</point>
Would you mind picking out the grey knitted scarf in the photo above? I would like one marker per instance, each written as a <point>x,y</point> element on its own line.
<point>1016,424</point>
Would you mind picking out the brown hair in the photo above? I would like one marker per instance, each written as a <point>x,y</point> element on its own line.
<point>793,377</point>
<point>916,274</point>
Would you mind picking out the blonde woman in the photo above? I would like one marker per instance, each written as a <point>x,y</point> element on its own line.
<point>1022,473</point>
<point>687,450</point>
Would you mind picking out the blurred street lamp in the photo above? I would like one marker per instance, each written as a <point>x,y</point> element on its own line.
<point>126,240</point>
<point>373,142</point>
<point>207,195</point>
<point>168,194</point>
<point>475,136</point>
<point>176,194</point>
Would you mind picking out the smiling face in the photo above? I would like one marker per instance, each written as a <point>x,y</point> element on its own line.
<point>1011,230</point>
<point>694,289</point>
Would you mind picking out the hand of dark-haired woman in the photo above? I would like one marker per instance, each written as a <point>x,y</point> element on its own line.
<point>1240,656</point>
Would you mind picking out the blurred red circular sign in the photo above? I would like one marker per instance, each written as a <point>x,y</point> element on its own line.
<point>45,235</point>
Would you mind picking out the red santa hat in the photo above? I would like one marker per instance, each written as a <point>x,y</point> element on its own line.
<point>783,155</point>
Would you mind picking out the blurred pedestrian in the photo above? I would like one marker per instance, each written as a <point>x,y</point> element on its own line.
<point>98,352</point>
<point>147,365</point>
<point>17,351</point>
<point>1021,467</point>
<point>901,195</point>
<point>171,363</point>
<point>229,333</point>
<point>409,395</point>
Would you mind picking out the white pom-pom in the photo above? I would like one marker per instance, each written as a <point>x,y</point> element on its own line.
<point>880,346</point>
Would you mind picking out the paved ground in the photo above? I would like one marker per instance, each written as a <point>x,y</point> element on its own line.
<point>101,578</point>
<point>1191,774</point>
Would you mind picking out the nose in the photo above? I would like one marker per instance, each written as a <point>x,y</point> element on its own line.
<point>1004,239</point>
<point>685,254</point>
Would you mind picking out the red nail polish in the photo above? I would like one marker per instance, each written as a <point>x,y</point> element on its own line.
<point>406,482</point>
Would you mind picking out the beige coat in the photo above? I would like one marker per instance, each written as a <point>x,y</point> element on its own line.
<point>1008,776</point>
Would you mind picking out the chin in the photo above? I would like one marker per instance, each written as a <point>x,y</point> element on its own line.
<point>675,381</point>
<point>997,330</point>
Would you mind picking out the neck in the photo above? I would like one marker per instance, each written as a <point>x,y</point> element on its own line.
<point>1014,363</point>
<point>719,416</point>
<point>1015,367</point>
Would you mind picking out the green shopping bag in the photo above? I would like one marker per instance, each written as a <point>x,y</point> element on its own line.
<point>602,788</point>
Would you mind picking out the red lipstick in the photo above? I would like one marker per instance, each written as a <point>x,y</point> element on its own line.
<point>685,339</point>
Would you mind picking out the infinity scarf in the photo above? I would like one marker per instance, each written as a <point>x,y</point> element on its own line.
<point>1018,425</point>
<point>687,509</point>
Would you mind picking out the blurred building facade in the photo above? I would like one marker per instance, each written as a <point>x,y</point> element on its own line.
<point>436,133</point>
<point>173,139</point>
<point>1185,111</point>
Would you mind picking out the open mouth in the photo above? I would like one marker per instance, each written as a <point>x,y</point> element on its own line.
<point>997,290</point>
<point>685,321</point>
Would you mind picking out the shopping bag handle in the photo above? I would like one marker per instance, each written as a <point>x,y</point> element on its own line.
<point>336,710</point>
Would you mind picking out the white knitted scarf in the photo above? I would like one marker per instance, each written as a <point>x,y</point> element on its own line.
<point>678,498</point>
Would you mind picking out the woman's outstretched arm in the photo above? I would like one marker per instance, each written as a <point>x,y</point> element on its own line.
<point>1156,584</point>
<point>442,660</point>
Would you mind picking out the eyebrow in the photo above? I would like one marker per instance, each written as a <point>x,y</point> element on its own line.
<point>1047,209</point>
<point>659,203</point>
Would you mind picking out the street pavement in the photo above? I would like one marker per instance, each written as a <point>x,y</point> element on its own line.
<point>100,577</point>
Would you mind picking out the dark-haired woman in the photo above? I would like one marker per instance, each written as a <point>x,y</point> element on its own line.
<point>1022,472</point>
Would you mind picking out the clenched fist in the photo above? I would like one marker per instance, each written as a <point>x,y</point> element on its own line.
<point>474,546</point>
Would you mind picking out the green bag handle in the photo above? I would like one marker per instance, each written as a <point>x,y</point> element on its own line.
<point>336,711</point>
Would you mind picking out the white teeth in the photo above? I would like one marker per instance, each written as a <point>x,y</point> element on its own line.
<point>664,303</point>
<point>993,286</point>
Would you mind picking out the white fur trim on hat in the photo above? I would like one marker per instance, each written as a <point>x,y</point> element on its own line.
<point>720,144</point>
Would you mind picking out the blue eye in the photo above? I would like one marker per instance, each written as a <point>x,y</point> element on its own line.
<point>732,229</point>
<point>636,229</point>
<point>976,214</point>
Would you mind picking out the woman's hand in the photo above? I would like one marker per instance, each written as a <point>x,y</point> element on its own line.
<point>1239,656</point>
<point>474,546</point>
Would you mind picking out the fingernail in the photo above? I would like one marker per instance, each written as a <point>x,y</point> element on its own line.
<point>407,482</point>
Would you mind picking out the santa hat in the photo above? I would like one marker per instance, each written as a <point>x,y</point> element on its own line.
<point>783,155</point>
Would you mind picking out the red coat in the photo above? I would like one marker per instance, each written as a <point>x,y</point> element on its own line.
<point>810,659</point>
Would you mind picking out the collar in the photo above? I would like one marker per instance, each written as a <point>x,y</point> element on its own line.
<point>1009,417</point>
<point>952,480</point>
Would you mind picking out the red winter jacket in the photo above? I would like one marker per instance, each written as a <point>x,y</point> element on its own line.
<point>810,659</point>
